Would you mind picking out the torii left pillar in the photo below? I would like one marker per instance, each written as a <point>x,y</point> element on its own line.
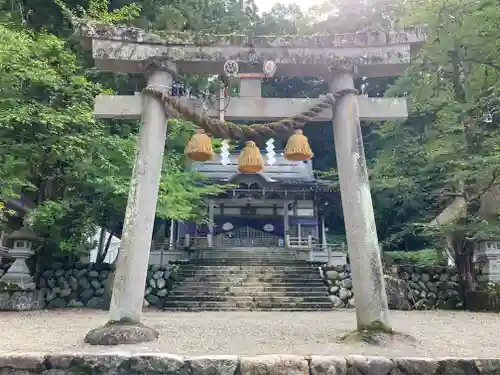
<point>124,326</point>
<point>372,312</point>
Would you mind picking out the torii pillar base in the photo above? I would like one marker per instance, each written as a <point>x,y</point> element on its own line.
<point>121,333</point>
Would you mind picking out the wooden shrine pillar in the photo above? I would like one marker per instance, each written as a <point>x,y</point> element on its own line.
<point>286,224</point>
<point>210,223</point>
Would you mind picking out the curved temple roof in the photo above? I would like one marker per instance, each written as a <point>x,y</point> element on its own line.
<point>281,170</point>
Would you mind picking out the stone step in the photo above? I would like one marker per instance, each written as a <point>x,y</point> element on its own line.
<point>221,274</point>
<point>236,263</point>
<point>247,253</point>
<point>280,256</point>
<point>250,299</point>
<point>224,305</point>
<point>250,260</point>
<point>261,294</point>
<point>249,276</point>
<point>260,273</point>
<point>241,250</point>
<point>276,257</point>
<point>284,289</point>
<point>251,267</point>
<point>246,288</point>
<point>253,284</point>
<point>255,252</point>
<point>247,292</point>
<point>257,280</point>
<point>257,269</point>
<point>248,279</point>
<point>240,308</point>
<point>217,254</point>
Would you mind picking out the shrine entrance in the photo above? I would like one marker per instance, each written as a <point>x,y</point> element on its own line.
<point>247,236</point>
<point>338,58</point>
<point>248,231</point>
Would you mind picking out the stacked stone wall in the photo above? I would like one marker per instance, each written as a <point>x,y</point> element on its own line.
<point>426,287</point>
<point>432,286</point>
<point>83,285</point>
<point>153,363</point>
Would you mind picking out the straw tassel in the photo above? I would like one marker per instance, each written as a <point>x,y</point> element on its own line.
<point>199,147</point>
<point>250,159</point>
<point>297,147</point>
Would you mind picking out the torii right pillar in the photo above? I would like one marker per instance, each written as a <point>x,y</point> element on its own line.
<point>372,312</point>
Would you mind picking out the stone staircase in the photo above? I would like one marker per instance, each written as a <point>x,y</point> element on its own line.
<point>248,279</point>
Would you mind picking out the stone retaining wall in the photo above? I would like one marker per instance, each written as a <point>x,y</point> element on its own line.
<point>117,364</point>
<point>426,287</point>
<point>76,285</point>
<point>432,286</point>
<point>83,285</point>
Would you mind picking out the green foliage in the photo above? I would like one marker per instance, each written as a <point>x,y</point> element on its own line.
<point>74,169</point>
<point>77,170</point>
<point>98,10</point>
<point>426,257</point>
<point>9,287</point>
<point>47,131</point>
<point>449,148</point>
<point>337,239</point>
<point>492,288</point>
<point>216,16</point>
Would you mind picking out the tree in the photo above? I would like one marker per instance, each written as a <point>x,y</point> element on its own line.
<point>451,152</point>
<point>45,121</point>
<point>75,169</point>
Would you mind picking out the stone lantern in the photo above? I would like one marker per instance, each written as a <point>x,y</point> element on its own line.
<point>21,242</point>
<point>488,259</point>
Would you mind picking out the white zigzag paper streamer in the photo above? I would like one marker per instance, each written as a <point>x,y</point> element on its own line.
<point>224,152</point>
<point>271,160</point>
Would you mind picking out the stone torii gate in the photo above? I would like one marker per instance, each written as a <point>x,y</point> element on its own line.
<point>338,58</point>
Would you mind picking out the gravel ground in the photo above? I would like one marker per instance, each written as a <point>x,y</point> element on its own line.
<point>438,333</point>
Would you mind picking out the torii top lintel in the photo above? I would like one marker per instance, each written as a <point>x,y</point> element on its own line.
<point>371,53</point>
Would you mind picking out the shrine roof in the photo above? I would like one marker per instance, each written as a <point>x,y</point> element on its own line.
<point>129,49</point>
<point>282,184</point>
<point>275,172</point>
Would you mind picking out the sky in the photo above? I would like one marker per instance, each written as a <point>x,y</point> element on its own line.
<point>266,5</point>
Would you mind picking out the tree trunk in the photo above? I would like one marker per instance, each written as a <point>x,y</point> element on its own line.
<point>101,255</point>
<point>464,260</point>
<point>100,245</point>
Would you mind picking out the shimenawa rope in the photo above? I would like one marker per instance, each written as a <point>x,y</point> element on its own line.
<point>229,130</point>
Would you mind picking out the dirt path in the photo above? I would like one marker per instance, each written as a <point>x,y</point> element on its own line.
<point>439,333</point>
